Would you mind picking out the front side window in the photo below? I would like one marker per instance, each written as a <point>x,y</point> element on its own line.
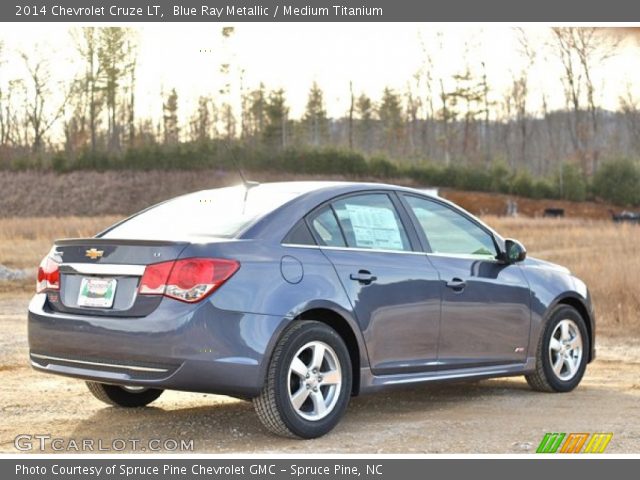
<point>449,232</point>
<point>371,221</point>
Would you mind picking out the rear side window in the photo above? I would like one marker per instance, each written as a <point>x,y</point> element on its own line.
<point>371,221</point>
<point>299,235</point>
<point>325,225</point>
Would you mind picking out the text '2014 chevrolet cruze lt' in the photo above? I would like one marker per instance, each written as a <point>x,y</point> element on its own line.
<point>299,295</point>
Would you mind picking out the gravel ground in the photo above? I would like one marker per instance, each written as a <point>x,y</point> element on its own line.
<point>492,416</point>
<point>13,274</point>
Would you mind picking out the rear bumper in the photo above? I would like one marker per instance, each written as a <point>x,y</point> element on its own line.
<point>196,348</point>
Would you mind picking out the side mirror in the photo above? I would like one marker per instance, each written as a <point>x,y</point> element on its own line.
<point>514,251</point>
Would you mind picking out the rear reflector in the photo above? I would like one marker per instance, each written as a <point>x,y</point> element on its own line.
<point>188,280</point>
<point>48,275</point>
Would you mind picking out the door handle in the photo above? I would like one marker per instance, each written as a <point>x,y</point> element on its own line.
<point>363,276</point>
<point>456,284</point>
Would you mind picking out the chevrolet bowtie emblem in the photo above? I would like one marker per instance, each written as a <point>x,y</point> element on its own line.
<point>92,253</point>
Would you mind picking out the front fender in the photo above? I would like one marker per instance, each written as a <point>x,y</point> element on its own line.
<point>582,305</point>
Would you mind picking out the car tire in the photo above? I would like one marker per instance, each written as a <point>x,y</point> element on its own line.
<point>559,365</point>
<point>308,383</point>
<point>121,396</point>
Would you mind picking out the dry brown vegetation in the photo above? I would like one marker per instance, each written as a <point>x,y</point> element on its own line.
<point>24,241</point>
<point>602,253</point>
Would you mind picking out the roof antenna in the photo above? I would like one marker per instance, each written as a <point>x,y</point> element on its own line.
<point>248,184</point>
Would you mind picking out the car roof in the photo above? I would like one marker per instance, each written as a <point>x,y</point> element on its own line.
<point>339,187</point>
<point>278,222</point>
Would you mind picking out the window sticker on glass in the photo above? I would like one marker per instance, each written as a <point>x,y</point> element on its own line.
<point>374,227</point>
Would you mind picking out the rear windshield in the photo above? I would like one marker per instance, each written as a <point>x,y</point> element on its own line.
<point>222,212</point>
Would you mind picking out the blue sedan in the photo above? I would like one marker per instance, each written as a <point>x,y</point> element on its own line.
<point>300,295</point>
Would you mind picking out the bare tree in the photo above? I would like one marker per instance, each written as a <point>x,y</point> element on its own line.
<point>580,50</point>
<point>516,99</point>
<point>116,54</point>
<point>4,105</point>
<point>447,116</point>
<point>41,111</point>
<point>428,98</point>
<point>414,106</point>
<point>129,109</point>
<point>486,111</point>
<point>9,121</point>
<point>255,105</point>
<point>87,45</point>
<point>226,68</point>
<point>630,107</point>
<point>351,109</point>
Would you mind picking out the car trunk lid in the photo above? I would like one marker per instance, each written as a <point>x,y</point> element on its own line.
<point>101,276</point>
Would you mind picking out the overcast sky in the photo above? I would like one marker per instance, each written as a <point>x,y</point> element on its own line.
<point>292,56</point>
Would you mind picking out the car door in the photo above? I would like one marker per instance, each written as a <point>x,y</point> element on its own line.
<point>485,303</point>
<point>393,290</point>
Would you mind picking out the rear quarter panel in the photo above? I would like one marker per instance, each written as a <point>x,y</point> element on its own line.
<point>260,286</point>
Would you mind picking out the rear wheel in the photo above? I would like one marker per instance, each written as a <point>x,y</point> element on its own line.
<point>308,383</point>
<point>129,397</point>
<point>562,352</point>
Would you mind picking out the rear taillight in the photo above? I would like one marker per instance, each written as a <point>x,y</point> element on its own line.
<point>155,278</point>
<point>48,275</point>
<point>188,280</point>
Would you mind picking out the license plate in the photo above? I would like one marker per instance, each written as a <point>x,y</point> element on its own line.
<point>97,292</point>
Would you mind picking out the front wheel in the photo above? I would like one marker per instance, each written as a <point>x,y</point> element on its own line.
<point>562,353</point>
<point>129,397</point>
<point>308,382</point>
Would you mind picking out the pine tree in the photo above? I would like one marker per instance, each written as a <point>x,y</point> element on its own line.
<point>202,120</point>
<point>170,118</point>
<point>276,115</point>
<point>315,116</point>
<point>364,111</point>
<point>390,115</point>
<point>115,52</point>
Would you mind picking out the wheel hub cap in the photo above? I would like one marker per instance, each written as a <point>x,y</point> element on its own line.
<point>565,349</point>
<point>314,380</point>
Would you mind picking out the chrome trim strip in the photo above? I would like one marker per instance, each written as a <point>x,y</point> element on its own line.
<point>465,256</point>
<point>351,249</point>
<point>370,381</point>
<point>98,364</point>
<point>487,258</point>
<point>434,376</point>
<point>103,269</point>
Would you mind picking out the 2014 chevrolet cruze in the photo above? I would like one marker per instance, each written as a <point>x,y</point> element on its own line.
<point>300,295</point>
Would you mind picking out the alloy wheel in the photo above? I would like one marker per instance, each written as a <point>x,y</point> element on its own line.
<point>314,380</point>
<point>565,349</point>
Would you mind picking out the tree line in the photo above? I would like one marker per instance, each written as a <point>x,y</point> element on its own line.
<point>456,131</point>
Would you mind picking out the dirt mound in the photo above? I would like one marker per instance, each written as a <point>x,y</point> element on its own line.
<point>43,194</point>
<point>481,203</point>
